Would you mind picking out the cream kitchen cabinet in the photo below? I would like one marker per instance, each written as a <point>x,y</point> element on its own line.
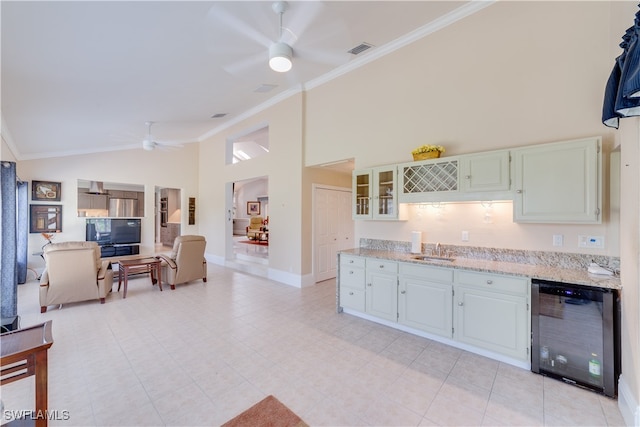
<point>92,201</point>
<point>487,175</point>
<point>425,299</point>
<point>492,312</point>
<point>431,180</point>
<point>559,182</point>
<point>381,293</point>
<point>375,193</point>
<point>352,282</point>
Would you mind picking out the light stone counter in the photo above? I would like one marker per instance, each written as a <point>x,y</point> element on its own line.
<point>558,267</point>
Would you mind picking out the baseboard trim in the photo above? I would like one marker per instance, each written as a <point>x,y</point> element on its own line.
<point>627,403</point>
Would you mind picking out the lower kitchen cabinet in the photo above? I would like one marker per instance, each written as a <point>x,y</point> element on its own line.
<point>425,299</point>
<point>381,294</point>
<point>492,312</point>
<point>485,311</point>
<point>352,282</point>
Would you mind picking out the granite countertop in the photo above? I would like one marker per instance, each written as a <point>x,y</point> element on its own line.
<point>534,271</point>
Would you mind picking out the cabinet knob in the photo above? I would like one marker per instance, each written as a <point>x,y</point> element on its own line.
<point>489,282</point>
<point>381,266</point>
<point>350,271</point>
<point>350,261</point>
<point>350,293</point>
<point>460,304</point>
<point>519,191</point>
<point>467,176</point>
<point>403,292</point>
<point>368,284</point>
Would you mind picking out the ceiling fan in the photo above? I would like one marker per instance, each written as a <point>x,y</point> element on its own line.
<point>287,47</point>
<point>149,143</point>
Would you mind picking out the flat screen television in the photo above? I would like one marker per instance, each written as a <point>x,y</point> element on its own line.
<point>113,231</point>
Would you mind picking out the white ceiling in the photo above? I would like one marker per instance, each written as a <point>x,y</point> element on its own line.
<point>82,77</point>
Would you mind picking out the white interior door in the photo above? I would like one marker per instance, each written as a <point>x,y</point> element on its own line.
<point>333,229</point>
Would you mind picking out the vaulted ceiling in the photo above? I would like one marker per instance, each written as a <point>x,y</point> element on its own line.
<point>83,77</point>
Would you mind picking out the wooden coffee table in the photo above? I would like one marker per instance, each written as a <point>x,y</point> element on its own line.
<point>149,265</point>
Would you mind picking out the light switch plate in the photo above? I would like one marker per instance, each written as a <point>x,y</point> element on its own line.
<point>557,240</point>
<point>594,242</point>
<point>465,236</point>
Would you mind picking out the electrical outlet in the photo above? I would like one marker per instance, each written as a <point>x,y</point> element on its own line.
<point>557,240</point>
<point>465,236</point>
<point>593,242</point>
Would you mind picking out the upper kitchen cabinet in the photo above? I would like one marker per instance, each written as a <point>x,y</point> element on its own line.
<point>486,173</point>
<point>375,193</point>
<point>109,199</point>
<point>559,182</point>
<point>429,180</point>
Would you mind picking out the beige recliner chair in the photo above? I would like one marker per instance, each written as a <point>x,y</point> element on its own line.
<point>255,230</point>
<point>74,272</point>
<point>186,262</point>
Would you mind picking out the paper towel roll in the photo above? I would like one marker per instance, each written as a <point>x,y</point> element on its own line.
<point>416,242</point>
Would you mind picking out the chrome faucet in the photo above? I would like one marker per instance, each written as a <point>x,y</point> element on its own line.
<point>438,249</point>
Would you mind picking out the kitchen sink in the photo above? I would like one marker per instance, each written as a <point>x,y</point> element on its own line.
<point>433,258</point>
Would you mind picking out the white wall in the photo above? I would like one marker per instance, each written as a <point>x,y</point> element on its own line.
<point>176,169</point>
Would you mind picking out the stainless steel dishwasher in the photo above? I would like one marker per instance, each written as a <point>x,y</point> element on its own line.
<point>575,335</point>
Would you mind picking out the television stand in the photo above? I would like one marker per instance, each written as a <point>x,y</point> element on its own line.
<point>107,251</point>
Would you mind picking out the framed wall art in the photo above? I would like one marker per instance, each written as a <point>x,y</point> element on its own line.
<point>253,208</point>
<point>45,219</point>
<point>46,191</point>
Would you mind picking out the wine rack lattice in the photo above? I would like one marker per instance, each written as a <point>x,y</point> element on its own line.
<point>432,177</point>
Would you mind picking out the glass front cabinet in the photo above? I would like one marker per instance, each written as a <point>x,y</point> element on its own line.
<point>375,193</point>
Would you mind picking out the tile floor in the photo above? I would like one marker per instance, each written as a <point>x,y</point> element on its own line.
<point>201,354</point>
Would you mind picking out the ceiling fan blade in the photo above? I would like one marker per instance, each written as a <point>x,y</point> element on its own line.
<point>246,64</point>
<point>222,18</point>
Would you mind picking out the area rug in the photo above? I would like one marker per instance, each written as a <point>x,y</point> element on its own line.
<point>269,412</point>
<point>255,242</point>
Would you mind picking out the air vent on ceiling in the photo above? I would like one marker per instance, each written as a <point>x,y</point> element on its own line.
<point>218,115</point>
<point>264,88</point>
<point>360,48</point>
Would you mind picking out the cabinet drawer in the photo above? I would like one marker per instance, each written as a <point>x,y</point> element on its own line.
<point>511,284</point>
<point>382,266</point>
<point>427,272</point>
<point>352,277</point>
<point>354,261</point>
<point>352,298</point>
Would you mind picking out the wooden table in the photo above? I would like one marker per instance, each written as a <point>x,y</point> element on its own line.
<point>25,353</point>
<point>149,265</point>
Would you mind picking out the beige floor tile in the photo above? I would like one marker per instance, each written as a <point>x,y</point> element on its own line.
<point>203,353</point>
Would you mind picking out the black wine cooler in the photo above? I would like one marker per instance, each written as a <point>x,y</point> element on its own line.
<point>575,334</point>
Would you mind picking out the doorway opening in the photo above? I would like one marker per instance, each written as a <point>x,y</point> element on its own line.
<point>168,217</point>
<point>249,235</point>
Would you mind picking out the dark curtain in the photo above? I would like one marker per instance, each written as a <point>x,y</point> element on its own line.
<point>622,91</point>
<point>8,245</point>
<point>22,229</point>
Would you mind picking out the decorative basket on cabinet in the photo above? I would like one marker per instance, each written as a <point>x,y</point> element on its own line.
<point>427,152</point>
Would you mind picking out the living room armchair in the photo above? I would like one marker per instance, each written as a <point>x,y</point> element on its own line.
<point>74,272</point>
<point>255,228</point>
<point>186,261</point>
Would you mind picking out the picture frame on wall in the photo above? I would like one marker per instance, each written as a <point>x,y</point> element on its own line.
<point>253,208</point>
<point>47,191</point>
<point>45,219</point>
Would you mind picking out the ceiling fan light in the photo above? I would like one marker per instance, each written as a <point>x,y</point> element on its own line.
<point>148,144</point>
<point>280,57</point>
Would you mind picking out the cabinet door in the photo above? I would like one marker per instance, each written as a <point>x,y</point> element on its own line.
<point>558,183</point>
<point>84,201</point>
<point>362,193</point>
<point>426,305</point>
<point>428,180</point>
<point>493,321</point>
<point>385,202</point>
<point>98,201</point>
<point>485,172</point>
<point>382,295</point>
